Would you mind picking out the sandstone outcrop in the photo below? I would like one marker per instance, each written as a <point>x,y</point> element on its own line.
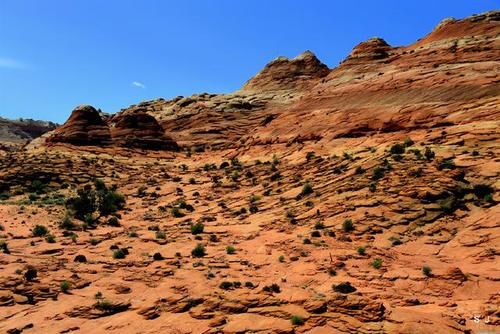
<point>85,126</point>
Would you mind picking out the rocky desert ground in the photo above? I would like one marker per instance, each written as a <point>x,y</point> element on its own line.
<point>358,199</point>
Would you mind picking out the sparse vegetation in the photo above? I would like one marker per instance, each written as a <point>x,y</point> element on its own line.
<point>429,154</point>
<point>31,273</point>
<point>446,164</point>
<point>65,286</point>
<point>160,235</point>
<point>119,254</point>
<point>377,263</point>
<point>361,250</point>
<point>96,199</point>
<point>427,271</point>
<point>347,225</point>
<point>4,247</point>
<point>230,249</point>
<point>297,320</point>
<point>272,288</point>
<point>307,189</point>
<point>198,251</point>
<point>343,287</point>
<point>197,228</point>
<point>378,173</point>
<point>397,149</point>
<point>360,170</point>
<point>176,212</point>
<point>39,231</point>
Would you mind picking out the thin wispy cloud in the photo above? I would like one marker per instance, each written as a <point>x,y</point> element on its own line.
<point>138,84</point>
<point>12,64</point>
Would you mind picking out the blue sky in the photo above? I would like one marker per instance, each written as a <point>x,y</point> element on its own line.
<point>57,54</point>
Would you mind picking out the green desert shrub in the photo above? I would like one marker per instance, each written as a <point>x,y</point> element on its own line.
<point>39,231</point>
<point>197,228</point>
<point>96,198</point>
<point>198,251</point>
<point>176,212</point>
<point>347,225</point>
<point>119,254</point>
<point>297,320</point>
<point>377,263</point>
<point>31,273</point>
<point>378,173</point>
<point>397,149</point>
<point>230,249</point>
<point>65,286</point>
<point>361,250</point>
<point>427,271</point>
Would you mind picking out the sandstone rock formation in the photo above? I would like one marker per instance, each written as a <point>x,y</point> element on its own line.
<point>136,129</point>
<point>362,199</point>
<point>141,130</point>
<point>21,130</point>
<point>285,74</point>
<point>84,127</point>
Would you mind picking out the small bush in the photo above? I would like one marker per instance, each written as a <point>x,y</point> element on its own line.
<point>347,225</point>
<point>197,228</point>
<point>361,250</point>
<point>50,238</point>
<point>360,170</point>
<point>157,257</point>
<point>253,208</point>
<point>319,225</point>
<point>272,288</point>
<point>80,258</point>
<point>397,149</point>
<point>65,285</point>
<point>113,221</point>
<point>119,254</point>
<point>378,173</point>
<point>310,156</point>
<point>429,154</point>
<point>4,247</point>
<point>297,320</point>
<point>446,164</point>
<point>198,251</point>
<point>344,287</point>
<point>67,223</point>
<point>306,189</point>
<point>176,212</point>
<point>39,231</point>
<point>160,235</point>
<point>377,263</point>
<point>96,198</point>
<point>94,241</point>
<point>226,285</point>
<point>408,142</point>
<point>230,250</point>
<point>31,273</point>
<point>281,258</point>
<point>427,271</point>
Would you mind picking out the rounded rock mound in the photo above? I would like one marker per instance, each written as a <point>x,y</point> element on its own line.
<point>138,129</point>
<point>84,127</point>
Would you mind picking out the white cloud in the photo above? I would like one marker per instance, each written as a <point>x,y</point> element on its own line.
<point>138,84</point>
<point>12,64</point>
